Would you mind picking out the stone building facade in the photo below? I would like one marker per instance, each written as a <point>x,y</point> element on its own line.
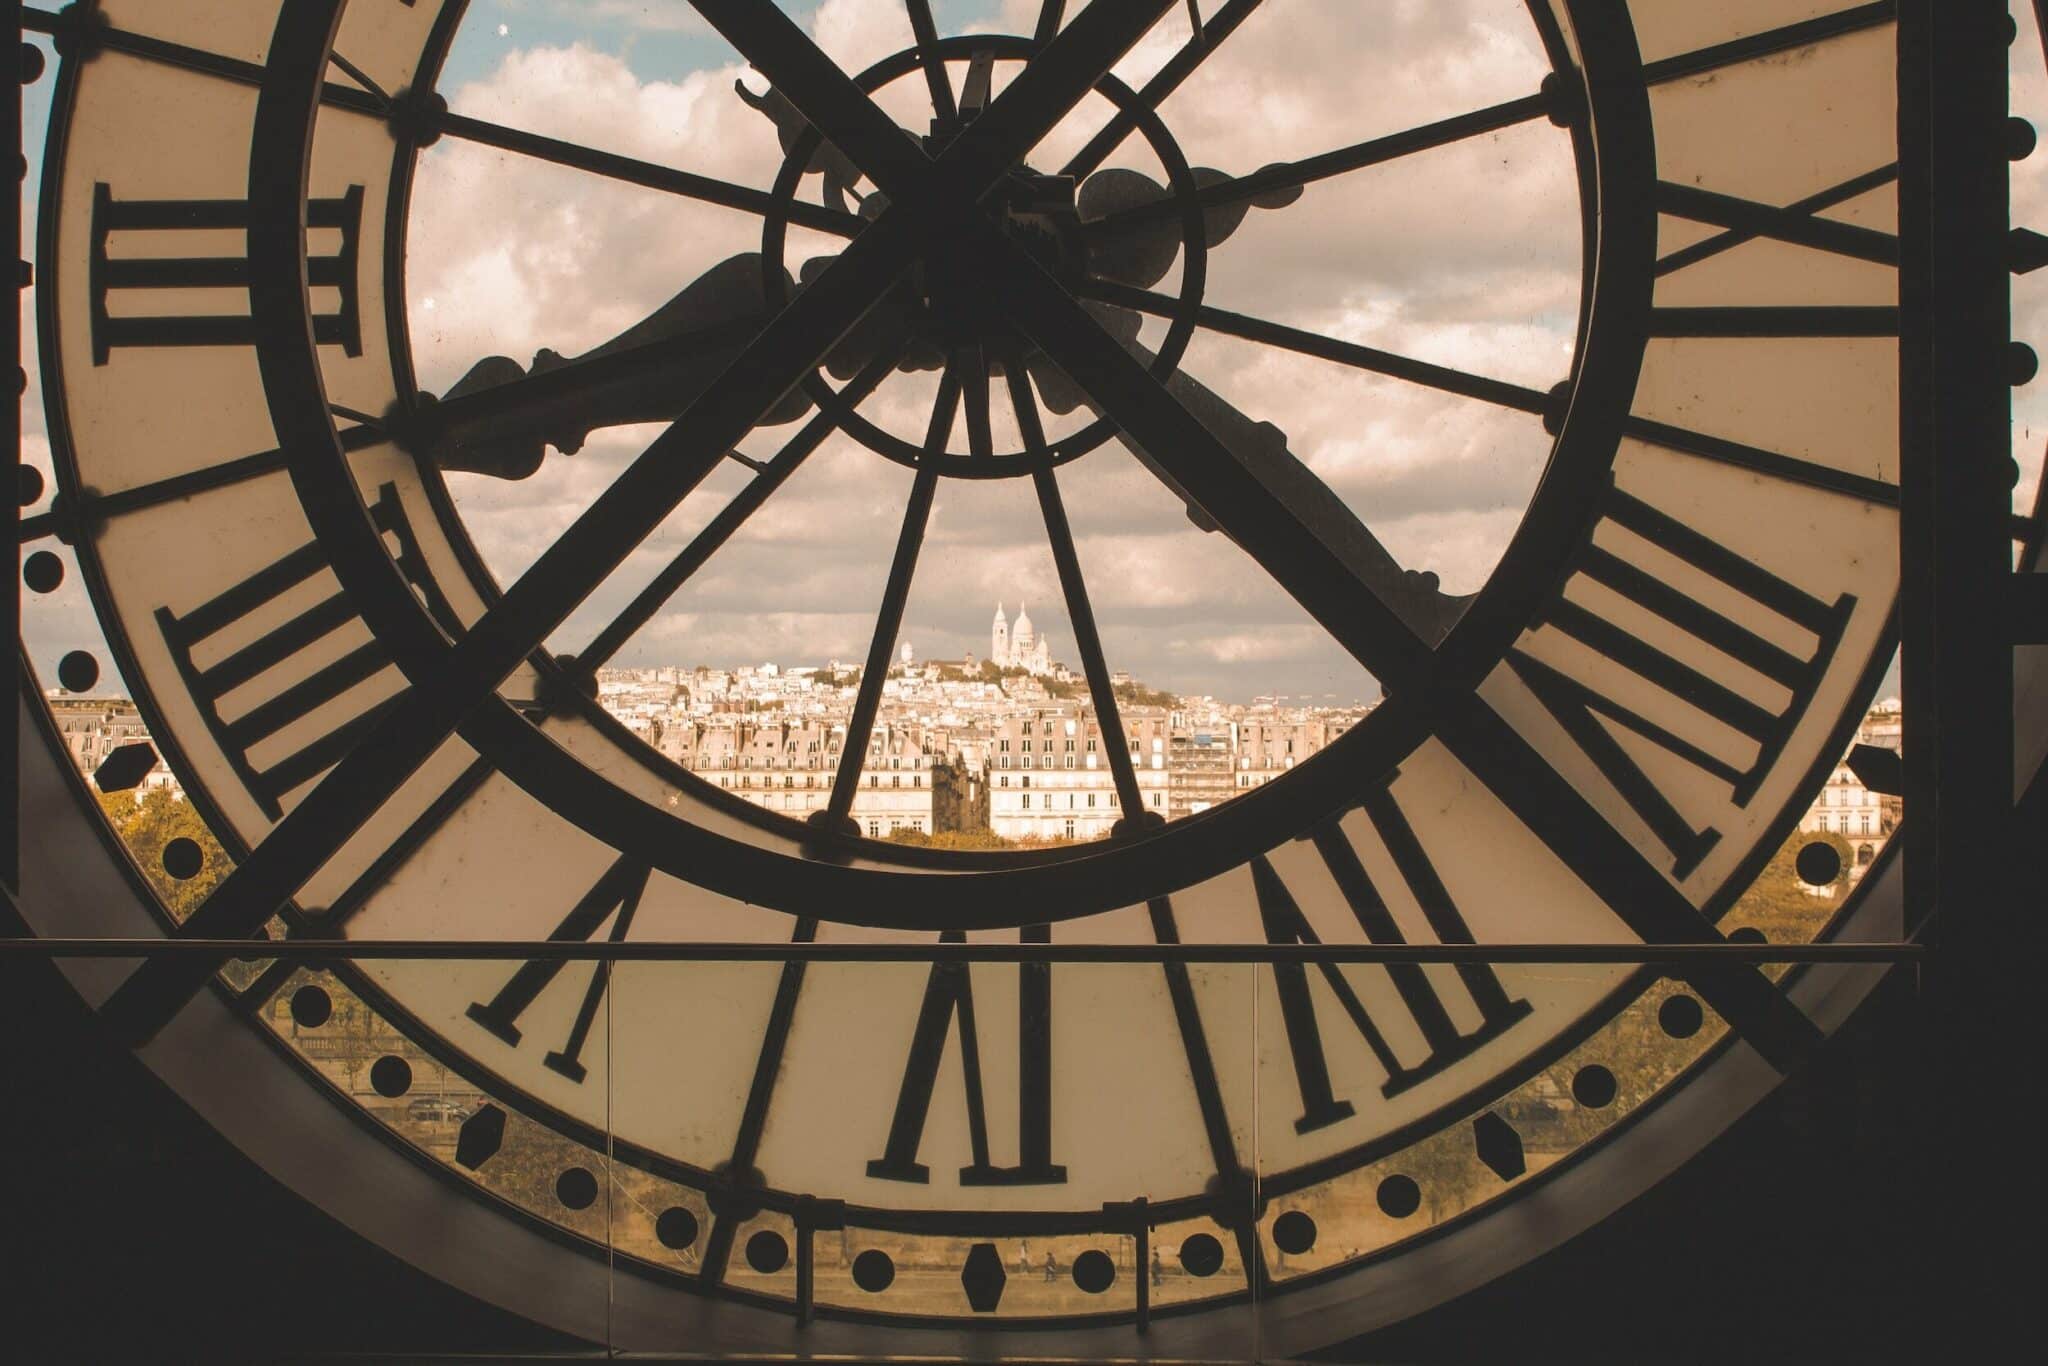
<point>788,768</point>
<point>94,727</point>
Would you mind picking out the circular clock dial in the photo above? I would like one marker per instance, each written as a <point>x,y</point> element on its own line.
<point>1605,741</point>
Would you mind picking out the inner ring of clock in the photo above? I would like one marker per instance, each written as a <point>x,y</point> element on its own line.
<point>938,316</point>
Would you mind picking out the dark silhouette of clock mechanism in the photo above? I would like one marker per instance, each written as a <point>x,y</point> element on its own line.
<point>1113,228</point>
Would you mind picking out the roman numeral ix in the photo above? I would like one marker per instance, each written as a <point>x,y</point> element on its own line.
<point>119,273</point>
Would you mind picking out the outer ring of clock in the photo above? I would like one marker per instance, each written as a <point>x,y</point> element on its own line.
<point>1694,1092</point>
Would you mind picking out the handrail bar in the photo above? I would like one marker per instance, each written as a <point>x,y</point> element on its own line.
<point>314,950</point>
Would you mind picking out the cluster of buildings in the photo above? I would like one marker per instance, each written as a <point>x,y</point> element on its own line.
<point>955,751</point>
<point>92,728</point>
<point>1014,751</point>
<point>1009,746</point>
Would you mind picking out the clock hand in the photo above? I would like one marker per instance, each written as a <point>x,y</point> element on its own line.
<point>498,419</point>
<point>841,175</point>
<point>1140,252</point>
<point>1261,449</point>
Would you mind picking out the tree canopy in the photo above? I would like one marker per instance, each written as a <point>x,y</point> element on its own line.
<point>149,826</point>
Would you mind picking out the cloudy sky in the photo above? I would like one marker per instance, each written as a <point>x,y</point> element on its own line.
<point>1467,256</point>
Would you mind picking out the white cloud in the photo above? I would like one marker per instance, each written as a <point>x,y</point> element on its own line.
<point>1467,257</point>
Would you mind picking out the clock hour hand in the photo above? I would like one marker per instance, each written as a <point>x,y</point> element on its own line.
<point>1140,253</point>
<point>1261,448</point>
<point>498,419</point>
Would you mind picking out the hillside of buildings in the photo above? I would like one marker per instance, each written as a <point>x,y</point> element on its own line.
<point>975,753</point>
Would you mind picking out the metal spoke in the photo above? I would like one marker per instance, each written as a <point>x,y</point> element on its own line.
<point>889,620</point>
<point>1372,152</point>
<point>1442,377</point>
<point>1204,41</point>
<point>935,78</point>
<point>632,171</point>
<point>1080,614</point>
<point>356,74</point>
<point>1049,16</point>
<point>1034,102</point>
<point>973,363</point>
<point>1363,604</point>
<point>185,58</point>
<point>746,1143</point>
<point>840,111</point>
<point>611,165</point>
<point>729,519</point>
<point>1804,33</point>
<point>522,402</point>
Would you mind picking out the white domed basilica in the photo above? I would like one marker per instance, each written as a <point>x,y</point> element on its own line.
<point>1018,645</point>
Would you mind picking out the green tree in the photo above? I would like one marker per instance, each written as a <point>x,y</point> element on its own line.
<point>1781,903</point>
<point>979,838</point>
<point>1135,694</point>
<point>147,827</point>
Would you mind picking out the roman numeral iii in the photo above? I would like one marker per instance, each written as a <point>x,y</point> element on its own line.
<point>1580,692</point>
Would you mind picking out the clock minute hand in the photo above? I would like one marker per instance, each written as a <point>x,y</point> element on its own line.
<point>1261,449</point>
<point>498,419</point>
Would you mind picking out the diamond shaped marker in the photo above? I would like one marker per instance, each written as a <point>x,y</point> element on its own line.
<point>1879,769</point>
<point>126,767</point>
<point>982,1277</point>
<point>1499,1146</point>
<point>479,1137</point>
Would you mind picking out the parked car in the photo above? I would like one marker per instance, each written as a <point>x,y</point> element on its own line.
<point>436,1110</point>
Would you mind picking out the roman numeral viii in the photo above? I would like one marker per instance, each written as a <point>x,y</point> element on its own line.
<point>289,723</point>
<point>949,996</point>
<point>1661,581</point>
<point>1444,1040</point>
<point>132,255</point>
<point>613,897</point>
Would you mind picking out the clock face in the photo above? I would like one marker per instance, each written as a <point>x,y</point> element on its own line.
<point>1600,729</point>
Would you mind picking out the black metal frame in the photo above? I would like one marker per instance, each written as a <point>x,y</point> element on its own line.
<point>1954,516</point>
